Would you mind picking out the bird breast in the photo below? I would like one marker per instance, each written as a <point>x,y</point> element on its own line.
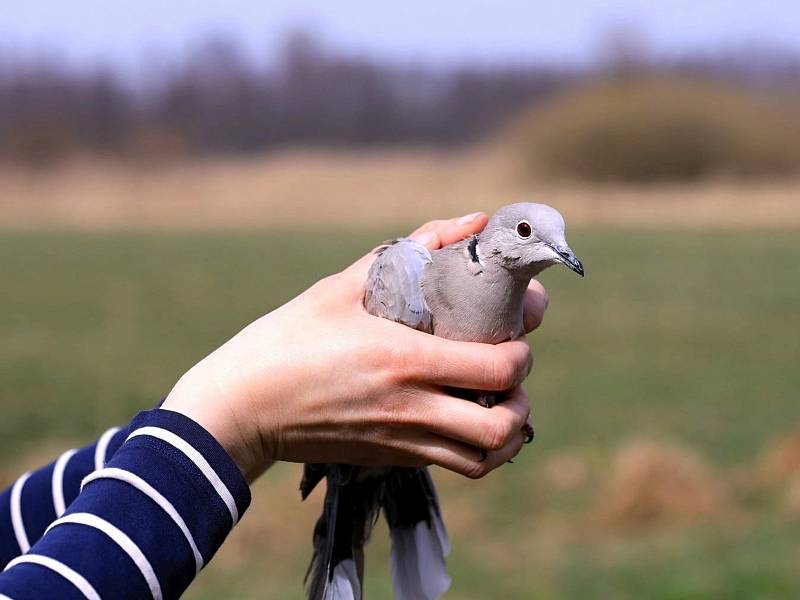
<point>472,302</point>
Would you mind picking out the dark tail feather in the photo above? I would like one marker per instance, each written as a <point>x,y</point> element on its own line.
<point>313,473</point>
<point>419,539</point>
<point>351,507</point>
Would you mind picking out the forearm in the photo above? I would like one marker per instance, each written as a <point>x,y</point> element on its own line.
<point>37,498</point>
<point>145,524</point>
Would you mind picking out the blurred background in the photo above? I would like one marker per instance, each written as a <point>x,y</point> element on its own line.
<point>171,171</point>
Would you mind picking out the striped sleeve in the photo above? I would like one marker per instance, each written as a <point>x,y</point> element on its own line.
<point>36,499</point>
<point>143,525</point>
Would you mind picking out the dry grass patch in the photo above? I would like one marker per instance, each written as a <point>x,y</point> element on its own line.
<point>779,462</point>
<point>776,471</point>
<point>792,499</point>
<point>660,484</point>
<point>380,188</point>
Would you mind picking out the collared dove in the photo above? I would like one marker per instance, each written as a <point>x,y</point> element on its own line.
<point>471,291</point>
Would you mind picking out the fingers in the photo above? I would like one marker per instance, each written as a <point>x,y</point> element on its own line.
<point>489,429</point>
<point>436,234</point>
<point>452,433</point>
<point>467,364</point>
<point>485,439</point>
<point>534,304</point>
<point>460,458</point>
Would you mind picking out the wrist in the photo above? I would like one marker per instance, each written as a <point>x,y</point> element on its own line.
<point>216,410</point>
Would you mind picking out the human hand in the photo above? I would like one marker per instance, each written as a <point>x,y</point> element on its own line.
<point>321,380</point>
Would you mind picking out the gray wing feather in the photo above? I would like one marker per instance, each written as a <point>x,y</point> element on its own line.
<point>394,288</point>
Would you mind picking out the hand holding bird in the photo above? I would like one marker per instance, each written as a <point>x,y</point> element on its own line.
<point>471,291</point>
<point>321,380</point>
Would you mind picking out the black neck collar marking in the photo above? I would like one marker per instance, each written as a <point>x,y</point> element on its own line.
<point>473,249</point>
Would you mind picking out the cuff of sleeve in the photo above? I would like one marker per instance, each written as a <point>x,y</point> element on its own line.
<point>150,424</point>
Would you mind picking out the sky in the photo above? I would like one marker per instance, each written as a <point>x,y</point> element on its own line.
<point>124,32</point>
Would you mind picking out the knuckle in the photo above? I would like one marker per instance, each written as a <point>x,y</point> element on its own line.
<point>498,436</point>
<point>501,373</point>
<point>476,470</point>
<point>407,360</point>
<point>535,318</point>
<point>371,359</point>
<point>395,412</point>
<point>378,352</point>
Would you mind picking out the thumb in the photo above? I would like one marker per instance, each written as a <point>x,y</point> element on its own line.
<point>436,234</point>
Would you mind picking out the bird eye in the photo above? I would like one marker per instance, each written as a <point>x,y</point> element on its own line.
<point>524,229</point>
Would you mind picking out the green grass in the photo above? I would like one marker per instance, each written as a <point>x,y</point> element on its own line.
<point>689,336</point>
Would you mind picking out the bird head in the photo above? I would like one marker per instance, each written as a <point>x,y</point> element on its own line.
<point>528,237</point>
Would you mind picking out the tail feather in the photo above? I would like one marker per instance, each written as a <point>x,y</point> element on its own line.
<point>345,584</point>
<point>417,564</point>
<point>319,569</point>
<point>441,532</point>
<point>352,502</point>
<point>419,539</point>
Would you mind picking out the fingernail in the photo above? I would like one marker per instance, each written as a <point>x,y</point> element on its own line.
<point>425,238</point>
<point>468,218</point>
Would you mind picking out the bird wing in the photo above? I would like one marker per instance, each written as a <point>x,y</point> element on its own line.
<point>393,292</point>
<point>419,539</point>
<point>354,495</point>
<point>394,289</point>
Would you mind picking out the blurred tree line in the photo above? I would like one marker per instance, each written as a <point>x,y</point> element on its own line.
<point>218,101</point>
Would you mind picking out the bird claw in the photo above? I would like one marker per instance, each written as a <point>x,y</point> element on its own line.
<point>487,400</point>
<point>527,431</point>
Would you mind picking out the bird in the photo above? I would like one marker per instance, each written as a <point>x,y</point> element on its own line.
<point>471,291</point>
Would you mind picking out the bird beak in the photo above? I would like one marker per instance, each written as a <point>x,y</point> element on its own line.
<point>568,259</point>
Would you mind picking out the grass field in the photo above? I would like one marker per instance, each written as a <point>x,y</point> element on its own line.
<point>686,339</point>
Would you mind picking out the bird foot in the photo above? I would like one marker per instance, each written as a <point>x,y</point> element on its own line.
<point>487,400</point>
<point>527,431</point>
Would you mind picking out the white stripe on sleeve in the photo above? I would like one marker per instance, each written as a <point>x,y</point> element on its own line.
<point>75,578</point>
<point>57,482</point>
<point>156,496</point>
<point>199,461</point>
<point>122,540</point>
<point>16,514</point>
<point>101,449</point>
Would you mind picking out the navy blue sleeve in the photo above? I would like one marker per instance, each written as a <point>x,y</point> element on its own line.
<point>37,499</point>
<point>143,524</point>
